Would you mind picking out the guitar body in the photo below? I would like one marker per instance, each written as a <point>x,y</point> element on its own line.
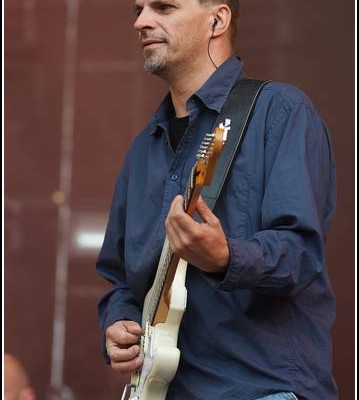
<point>161,355</point>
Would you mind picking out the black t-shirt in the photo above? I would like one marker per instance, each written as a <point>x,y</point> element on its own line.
<point>178,127</point>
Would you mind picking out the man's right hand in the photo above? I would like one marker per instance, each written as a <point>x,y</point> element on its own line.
<point>122,344</point>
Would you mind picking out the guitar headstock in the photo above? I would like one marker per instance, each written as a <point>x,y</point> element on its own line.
<point>209,152</point>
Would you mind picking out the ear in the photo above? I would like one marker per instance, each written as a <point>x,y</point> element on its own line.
<point>221,16</point>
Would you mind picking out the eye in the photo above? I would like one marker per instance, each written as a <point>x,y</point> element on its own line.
<point>165,7</point>
<point>137,10</point>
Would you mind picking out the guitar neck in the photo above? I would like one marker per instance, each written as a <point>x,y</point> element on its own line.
<point>166,270</point>
<point>201,175</point>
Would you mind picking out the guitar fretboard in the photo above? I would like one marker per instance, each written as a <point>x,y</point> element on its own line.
<point>165,260</point>
<point>203,154</point>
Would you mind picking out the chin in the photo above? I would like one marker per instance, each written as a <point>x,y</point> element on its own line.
<point>155,65</point>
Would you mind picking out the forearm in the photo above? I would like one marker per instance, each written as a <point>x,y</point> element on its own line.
<point>274,262</point>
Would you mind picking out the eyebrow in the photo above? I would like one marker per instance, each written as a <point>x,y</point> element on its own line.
<point>137,8</point>
<point>154,3</point>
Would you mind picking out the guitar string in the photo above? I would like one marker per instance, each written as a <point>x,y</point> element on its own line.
<point>204,152</point>
<point>163,267</point>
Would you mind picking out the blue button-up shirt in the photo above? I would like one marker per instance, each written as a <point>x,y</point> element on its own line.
<point>264,325</point>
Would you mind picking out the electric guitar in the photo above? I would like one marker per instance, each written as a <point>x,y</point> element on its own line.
<point>165,302</point>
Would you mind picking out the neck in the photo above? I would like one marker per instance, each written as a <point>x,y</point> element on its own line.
<point>183,82</point>
<point>182,87</point>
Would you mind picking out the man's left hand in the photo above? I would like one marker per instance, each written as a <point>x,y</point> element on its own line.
<point>201,244</point>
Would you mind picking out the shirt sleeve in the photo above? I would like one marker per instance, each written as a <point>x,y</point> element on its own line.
<point>118,303</point>
<point>287,254</point>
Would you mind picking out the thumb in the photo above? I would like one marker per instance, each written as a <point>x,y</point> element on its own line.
<point>205,212</point>
<point>132,327</point>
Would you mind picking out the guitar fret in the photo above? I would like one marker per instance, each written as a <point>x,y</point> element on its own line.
<point>158,284</point>
<point>189,189</point>
<point>163,267</point>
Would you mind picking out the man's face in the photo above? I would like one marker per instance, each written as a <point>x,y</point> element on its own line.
<point>173,33</point>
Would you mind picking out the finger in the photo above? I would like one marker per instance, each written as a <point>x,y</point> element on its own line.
<point>122,339</point>
<point>177,206</point>
<point>117,354</point>
<point>205,212</point>
<point>175,214</point>
<point>174,236</point>
<point>179,228</point>
<point>120,334</point>
<point>127,366</point>
<point>132,327</point>
<point>178,218</point>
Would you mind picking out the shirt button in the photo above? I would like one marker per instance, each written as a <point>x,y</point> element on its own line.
<point>174,177</point>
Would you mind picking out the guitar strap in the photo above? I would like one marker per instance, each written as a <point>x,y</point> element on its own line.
<point>239,108</point>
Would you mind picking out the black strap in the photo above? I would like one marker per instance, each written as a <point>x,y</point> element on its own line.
<point>238,107</point>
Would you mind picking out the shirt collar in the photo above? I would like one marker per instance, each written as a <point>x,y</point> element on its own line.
<point>213,93</point>
<point>216,89</point>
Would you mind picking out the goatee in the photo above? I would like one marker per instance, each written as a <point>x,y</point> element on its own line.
<point>154,65</point>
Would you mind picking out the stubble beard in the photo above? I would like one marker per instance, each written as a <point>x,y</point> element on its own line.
<point>155,64</point>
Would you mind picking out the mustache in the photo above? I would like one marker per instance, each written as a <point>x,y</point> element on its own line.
<point>145,36</point>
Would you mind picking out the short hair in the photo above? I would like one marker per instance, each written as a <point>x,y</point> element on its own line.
<point>234,6</point>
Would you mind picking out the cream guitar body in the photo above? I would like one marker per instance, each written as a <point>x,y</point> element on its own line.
<point>161,355</point>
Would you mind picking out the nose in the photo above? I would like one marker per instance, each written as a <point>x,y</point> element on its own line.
<point>144,20</point>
